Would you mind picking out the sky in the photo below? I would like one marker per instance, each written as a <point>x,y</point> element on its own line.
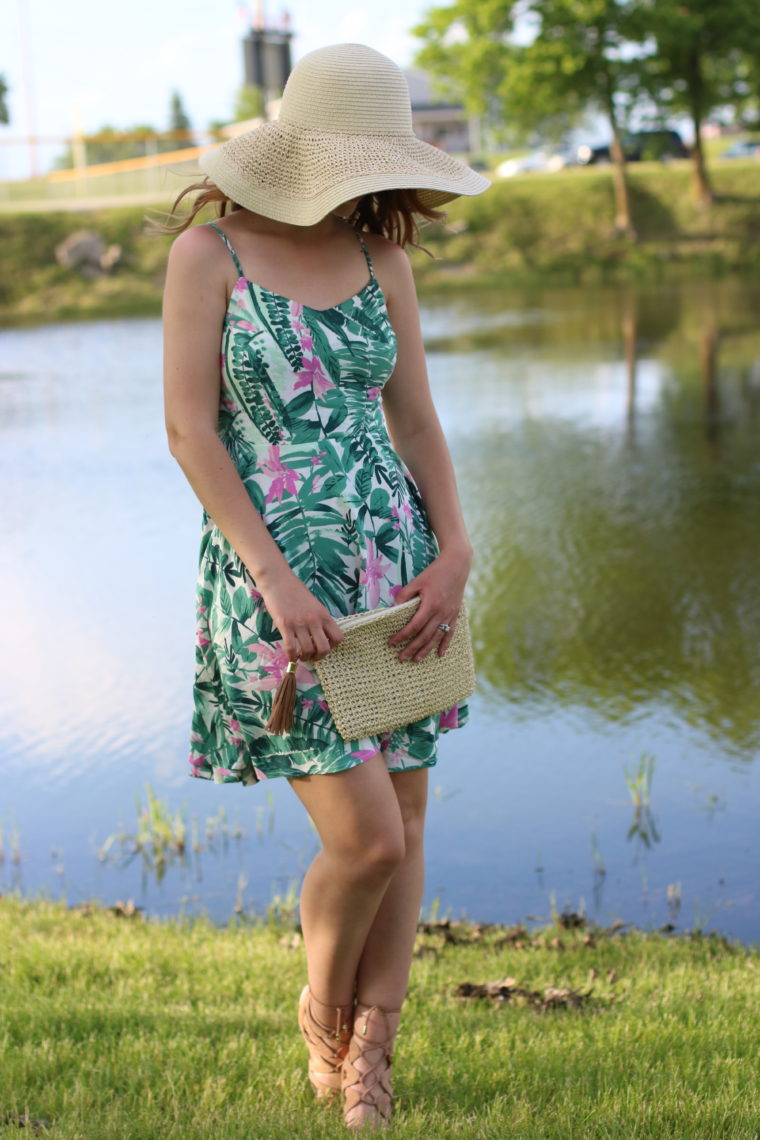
<point>96,62</point>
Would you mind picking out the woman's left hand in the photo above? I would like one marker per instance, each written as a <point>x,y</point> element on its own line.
<point>441,589</point>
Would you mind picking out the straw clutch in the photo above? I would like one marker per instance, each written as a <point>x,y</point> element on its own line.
<point>368,690</point>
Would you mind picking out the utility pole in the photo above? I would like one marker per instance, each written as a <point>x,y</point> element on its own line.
<point>26,55</point>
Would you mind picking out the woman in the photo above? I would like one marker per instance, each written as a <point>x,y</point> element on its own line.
<point>311,513</point>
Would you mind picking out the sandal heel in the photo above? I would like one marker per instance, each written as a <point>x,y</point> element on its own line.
<point>366,1073</point>
<point>327,1045</point>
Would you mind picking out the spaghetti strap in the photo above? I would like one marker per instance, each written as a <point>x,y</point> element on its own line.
<point>363,244</point>
<point>228,243</point>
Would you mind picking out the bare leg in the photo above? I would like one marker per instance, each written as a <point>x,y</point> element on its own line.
<point>359,820</point>
<point>383,973</point>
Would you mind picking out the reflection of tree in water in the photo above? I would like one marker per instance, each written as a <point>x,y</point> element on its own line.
<point>617,569</point>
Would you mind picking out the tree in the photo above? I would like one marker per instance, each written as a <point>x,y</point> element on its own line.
<point>109,144</point>
<point>696,63</point>
<point>249,103</point>
<point>575,59</point>
<point>179,124</point>
<point>4,114</point>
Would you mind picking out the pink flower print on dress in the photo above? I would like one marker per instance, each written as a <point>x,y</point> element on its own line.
<point>274,662</point>
<point>200,640</point>
<point>394,590</point>
<point>235,729</point>
<point>373,573</point>
<point>449,718</point>
<point>284,479</point>
<point>241,285</point>
<point>323,704</point>
<point>296,311</point>
<point>241,324</point>
<point>312,374</point>
<point>364,754</point>
<point>228,404</point>
<point>373,393</point>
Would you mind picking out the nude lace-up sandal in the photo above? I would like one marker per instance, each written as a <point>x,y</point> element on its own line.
<point>367,1091</point>
<point>327,1044</point>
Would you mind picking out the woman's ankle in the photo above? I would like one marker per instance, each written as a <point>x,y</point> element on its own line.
<point>376,1023</point>
<point>327,1013</point>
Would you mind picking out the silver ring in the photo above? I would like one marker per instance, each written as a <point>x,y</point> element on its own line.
<point>444,627</point>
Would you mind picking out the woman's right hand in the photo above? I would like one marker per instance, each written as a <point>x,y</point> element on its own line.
<point>307,628</point>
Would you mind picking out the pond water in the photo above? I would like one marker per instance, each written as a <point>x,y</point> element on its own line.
<point>606,446</point>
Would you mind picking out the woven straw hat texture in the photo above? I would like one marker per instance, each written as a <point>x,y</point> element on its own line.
<point>368,690</point>
<point>344,130</point>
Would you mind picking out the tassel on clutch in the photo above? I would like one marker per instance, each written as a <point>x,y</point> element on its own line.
<point>281,718</point>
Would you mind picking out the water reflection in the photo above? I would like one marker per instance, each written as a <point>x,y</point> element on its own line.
<point>606,448</point>
<point>615,513</point>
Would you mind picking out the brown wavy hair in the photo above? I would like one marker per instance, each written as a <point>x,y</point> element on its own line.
<point>396,214</point>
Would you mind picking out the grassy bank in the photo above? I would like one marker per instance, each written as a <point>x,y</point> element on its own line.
<point>557,229</point>
<point>537,229</point>
<point>116,1027</point>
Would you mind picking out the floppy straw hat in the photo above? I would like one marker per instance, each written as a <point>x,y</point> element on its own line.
<point>344,130</point>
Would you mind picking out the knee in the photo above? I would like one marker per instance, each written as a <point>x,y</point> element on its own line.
<point>381,856</point>
<point>375,856</point>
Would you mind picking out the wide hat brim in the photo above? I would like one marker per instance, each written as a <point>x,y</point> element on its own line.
<point>298,177</point>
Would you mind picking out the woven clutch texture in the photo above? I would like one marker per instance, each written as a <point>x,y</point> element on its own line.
<point>368,690</point>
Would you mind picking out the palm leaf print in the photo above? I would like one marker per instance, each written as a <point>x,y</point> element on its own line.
<point>342,508</point>
<point>281,321</point>
<point>256,390</point>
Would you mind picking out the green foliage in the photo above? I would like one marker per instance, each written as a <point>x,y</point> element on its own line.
<point>552,228</point>
<point>557,227</point>
<point>4,113</point>
<point>179,123</point>
<point>249,103</point>
<point>572,61</point>
<point>607,54</point>
<point>698,49</point>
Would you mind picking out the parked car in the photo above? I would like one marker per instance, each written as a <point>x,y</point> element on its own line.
<point>744,149</point>
<point>638,146</point>
<point>545,160</point>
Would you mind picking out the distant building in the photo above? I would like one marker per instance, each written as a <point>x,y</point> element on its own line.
<point>266,58</point>
<point>440,121</point>
<point>435,119</point>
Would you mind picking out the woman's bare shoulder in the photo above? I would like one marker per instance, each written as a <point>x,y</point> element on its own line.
<point>392,266</point>
<point>197,245</point>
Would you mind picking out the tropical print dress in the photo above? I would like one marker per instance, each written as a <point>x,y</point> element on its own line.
<point>300,417</point>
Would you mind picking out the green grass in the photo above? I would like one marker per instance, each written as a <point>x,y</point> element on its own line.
<point>545,229</point>
<point>114,1027</point>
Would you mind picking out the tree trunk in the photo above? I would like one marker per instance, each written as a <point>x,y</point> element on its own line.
<point>700,183</point>
<point>623,222</point>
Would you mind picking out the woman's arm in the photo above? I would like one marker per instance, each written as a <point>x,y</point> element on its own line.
<point>417,436</point>
<point>194,305</point>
